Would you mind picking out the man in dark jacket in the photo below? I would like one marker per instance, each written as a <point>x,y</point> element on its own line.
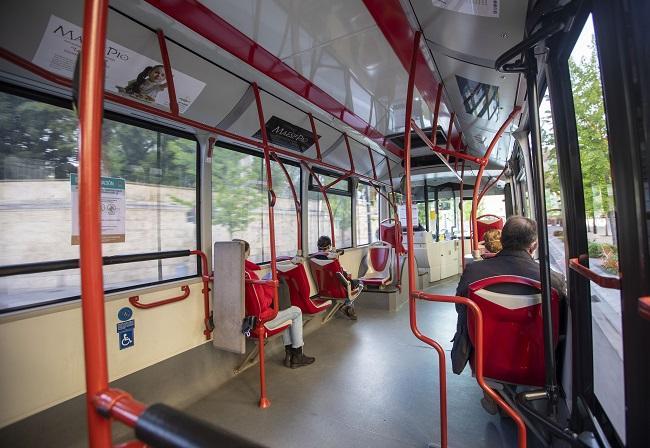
<point>519,241</point>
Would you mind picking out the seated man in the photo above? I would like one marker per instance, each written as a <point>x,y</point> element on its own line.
<point>263,300</point>
<point>324,244</point>
<point>519,242</point>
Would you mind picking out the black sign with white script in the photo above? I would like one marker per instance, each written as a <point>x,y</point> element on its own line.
<point>283,133</point>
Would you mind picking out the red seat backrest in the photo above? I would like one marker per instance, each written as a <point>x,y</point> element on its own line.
<point>513,342</point>
<point>484,223</point>
<point>387,233</point>
<point>296,278</point>
<point>379,257</point>
<point>326,278</point>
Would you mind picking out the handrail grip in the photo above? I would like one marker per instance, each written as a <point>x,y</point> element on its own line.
<point>526,44</point>
<point>644,307</point>
<point>135,300</point>
<point>602,281</point>
<point>478,355</point>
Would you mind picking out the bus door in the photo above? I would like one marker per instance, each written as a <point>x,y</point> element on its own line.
<point>599,222</point>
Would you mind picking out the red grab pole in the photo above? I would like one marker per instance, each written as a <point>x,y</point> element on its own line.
<point>411,255</point>
<point>323,191</point>
<point>264,401</point>
<point>171,90</point>
<point>91,95</point>
<point>477,182</point>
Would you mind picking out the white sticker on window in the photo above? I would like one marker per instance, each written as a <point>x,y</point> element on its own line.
<point>483,8</point>
<point>113,206</point>
<point>127,72</point>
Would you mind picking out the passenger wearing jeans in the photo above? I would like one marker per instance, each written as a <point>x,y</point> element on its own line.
<point>259,302</point>
<point>325,245</point>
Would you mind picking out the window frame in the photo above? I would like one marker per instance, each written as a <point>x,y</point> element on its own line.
<point>356,219</point>
<point>252,152</point>
<point>313,186</point>
<point>66,103</point>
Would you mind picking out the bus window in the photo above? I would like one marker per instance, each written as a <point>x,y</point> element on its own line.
<point>239,203</point>
<point>39,155</point>
<point>340,198</point>
<point>601,226</point>
<point>554,209</point>
<point>367,214</point>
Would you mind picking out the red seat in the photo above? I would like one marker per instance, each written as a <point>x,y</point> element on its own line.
<point>254,303</point>
<point>487,222</point>
<point>296,279</point>
<point>388,233</point>
<point>380,260</point>
<point>330,281</point>
<point>513,343</point>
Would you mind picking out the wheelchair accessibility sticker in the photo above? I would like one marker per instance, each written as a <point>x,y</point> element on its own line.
<point>126,334</point>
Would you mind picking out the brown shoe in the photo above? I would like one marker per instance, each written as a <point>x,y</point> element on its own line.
<point>349,312</point>
<point>298,358</point>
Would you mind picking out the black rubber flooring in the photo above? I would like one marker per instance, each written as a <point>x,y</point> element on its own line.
<point>373,385</point>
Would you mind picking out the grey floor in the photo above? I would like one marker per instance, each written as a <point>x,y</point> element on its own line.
<point>373,385</point>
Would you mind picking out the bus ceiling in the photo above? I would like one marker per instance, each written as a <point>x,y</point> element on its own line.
<point>339,65</point>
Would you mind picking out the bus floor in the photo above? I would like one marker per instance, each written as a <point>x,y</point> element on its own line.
<point>373,384</point>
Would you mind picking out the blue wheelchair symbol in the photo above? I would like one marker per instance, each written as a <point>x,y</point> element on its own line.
<point>126,339</point>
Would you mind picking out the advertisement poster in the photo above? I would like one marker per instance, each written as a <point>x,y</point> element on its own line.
<point>127,73</point>
<point>483,8</point>
<point>401,211</point>
<point>113,203</point>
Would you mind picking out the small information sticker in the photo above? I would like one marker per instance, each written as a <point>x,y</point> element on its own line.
<point>126,334</point>
<point>483,8</point>
<point>113,204</point>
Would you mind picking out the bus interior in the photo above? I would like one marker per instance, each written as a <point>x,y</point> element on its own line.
<point>175,175</point>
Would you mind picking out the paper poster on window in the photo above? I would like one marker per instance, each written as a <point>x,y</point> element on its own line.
<point>483,8</point>
<point>127,72</point>
<point>401,211</point>
<point>113,209</point>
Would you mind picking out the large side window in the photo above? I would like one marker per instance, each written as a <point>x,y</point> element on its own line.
<point>367,214</point>
<point>239,203</point>
<point>601,226</point>
<point>340,198</point>
<point>39,155</point>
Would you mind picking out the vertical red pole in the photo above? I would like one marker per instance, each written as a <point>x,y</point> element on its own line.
<point>434,130</point>
<point>372,162</point>
<point>323,191</point>
<point>296,202</point>
<point>347,146</point>
<point>313,131</point>
<point>479,176</point>
<point>397,231</point>
<point>410,250</point>
<point>91,95</point>
<point>264,401</point>
<point>449,130</point>
<point>169,76</point>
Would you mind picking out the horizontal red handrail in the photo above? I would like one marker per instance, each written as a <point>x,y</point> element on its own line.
<point>135,300</point>
<point>251,281</point>
<point>478,356</point>
<point>120,405</point>
<point>600,280</point>
<point>644,307</point>
<point>443,151</point>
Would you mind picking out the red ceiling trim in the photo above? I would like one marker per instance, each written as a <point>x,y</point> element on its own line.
<point>392,21</point>
<point>205,22</point>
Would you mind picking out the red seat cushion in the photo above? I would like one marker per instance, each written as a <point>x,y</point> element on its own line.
<point>296,278</point>
<point>325,274</point>
<point>487,222</point>
<point>513,342</point>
